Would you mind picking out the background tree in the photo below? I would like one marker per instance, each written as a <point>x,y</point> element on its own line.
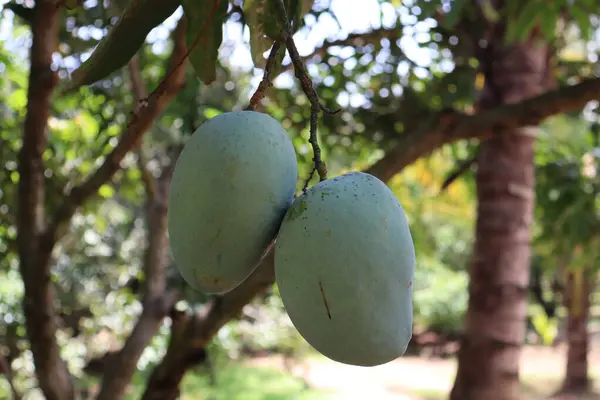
<point>568,199</point>
<point>514,56</point>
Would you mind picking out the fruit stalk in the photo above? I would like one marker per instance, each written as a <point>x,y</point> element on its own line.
<point>307,87</point>
<point>266,81</point>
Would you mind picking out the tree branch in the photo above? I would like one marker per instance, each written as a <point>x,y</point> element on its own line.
<point>156,302</point>
<point>34,259</point>
<point>139,92</point>
<point>140,122</point>
<point>267,80</point>
<point>137,82</point>
<point>461,169</point>
<point>353,39</point>
<point>414,145</point>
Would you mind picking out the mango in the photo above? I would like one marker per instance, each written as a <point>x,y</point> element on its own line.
<point>231,186</point>
<point>344,265</point>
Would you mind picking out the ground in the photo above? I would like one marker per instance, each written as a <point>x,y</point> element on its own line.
<point>413,378</point>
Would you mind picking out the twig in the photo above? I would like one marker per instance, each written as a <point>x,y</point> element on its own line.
<point>307,87</point>
<point>137,82</point>
<point>139,93</point>
<point>462,168</point>
<point>353,39</point>
<point>266,81</point>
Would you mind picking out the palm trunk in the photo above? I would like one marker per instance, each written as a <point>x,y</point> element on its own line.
<point>488,359</point>
<point>578,302</point>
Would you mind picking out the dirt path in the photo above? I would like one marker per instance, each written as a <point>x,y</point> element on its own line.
<point>413,378</point>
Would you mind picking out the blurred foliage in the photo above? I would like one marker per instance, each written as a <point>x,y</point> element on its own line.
<point>568,193</point>
<point>567,213</point>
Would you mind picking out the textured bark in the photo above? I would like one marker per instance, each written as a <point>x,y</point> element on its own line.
<point>488,360</point>
<point>580,284</point>
<point>34,257</point>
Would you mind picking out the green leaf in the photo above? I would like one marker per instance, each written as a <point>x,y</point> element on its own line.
<point>257,14</point>
<point>122,41</point>
<point>204,34</point>
<point>262,18</point>
<point>548,25</point>
<point>518,29</point>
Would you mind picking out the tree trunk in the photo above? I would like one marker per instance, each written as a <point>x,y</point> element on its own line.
<point>34,253</point>
<point>578,302</point>
<point>488,359</point>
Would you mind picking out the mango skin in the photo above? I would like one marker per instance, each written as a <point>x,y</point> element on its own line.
<point>344,264</point>
<point>231,186</point>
